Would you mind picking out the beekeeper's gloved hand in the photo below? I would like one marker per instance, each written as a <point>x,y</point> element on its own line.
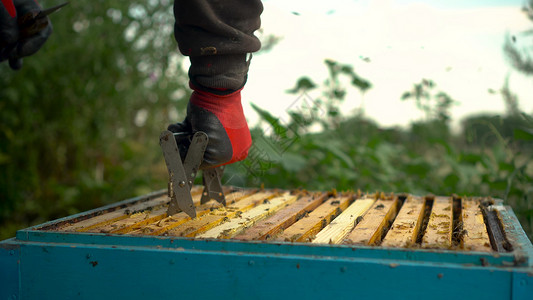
<point>14,45</point>
<point>221,117</point>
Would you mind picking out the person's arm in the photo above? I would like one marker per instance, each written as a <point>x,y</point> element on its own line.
<point>217,35</point>
<point>13,47</point>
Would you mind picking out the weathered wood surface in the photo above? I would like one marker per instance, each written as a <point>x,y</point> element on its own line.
<point>301,216</point>
<point>216,217</point>
<point>138,219</point>
<point>369,230</point>
<point>404,231</point>
<point>335,231</point>
<point>273,225</point>
<point>307,227</point>
<point>475,236</point>
<point>134,221</point>
<point>440,227</point>
<point>246,219</point>
<point>170,222</point>
<point>91,224</point>
<point>116,215</point>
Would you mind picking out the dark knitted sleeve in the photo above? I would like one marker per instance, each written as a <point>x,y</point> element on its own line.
<point>217,35</point>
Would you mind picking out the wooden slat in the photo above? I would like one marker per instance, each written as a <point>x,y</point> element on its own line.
<point>128,224</point>
<point>344,223</point>
<point>142,219</point>
<point>246,219</point>
<point>404,230</point>
<point>269,215</point>
<point>120,214</point>
<point>370,229</point>
<point>214,218</point>
<point>168,223</point>
<point>306,228</point>
<point>116,215</point>
<point>269,227</point>
<point>439,230</point>
<point>138,219</point>
<point>475,236</point>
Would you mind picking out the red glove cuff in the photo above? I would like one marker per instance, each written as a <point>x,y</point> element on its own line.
<point>10,7</point>
<point>228,110</point>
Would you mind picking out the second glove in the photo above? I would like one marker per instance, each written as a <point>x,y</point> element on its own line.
<point>13,45</point>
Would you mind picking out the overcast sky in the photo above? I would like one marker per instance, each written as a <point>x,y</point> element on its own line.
<point>456,43</point>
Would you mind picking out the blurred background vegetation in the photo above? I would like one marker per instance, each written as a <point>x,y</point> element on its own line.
<point>79,126</point>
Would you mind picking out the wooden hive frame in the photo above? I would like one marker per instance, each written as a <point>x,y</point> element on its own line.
<point>375,219</point>
<point>272,244</point>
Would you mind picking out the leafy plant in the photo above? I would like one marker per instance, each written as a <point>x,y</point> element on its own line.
<point>436,105</point>
<point>355,153</point>
<point>77,122</point>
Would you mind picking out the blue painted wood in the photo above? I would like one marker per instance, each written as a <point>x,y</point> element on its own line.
<point>516,236</point>
<point>9,269</point>
<point>306,249</point>
<point>99,272</point>
<point>56,265</point>
<point>522,285</point>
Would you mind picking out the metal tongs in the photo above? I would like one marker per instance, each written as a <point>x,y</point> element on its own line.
<point>183,164</point>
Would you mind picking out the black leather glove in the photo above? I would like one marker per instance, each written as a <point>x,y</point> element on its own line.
<point>221,117</point>
<point>14,45</point>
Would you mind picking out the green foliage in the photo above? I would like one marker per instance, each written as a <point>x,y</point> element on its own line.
<point>520,59</point>
<point>304,84</point>
<point>436,105</point>
<point>517,50</point>
<point>523,134</point>
<point>491,130</point>
<point>491,157</point>
<point>324,109</point>
<point>79,123</point>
